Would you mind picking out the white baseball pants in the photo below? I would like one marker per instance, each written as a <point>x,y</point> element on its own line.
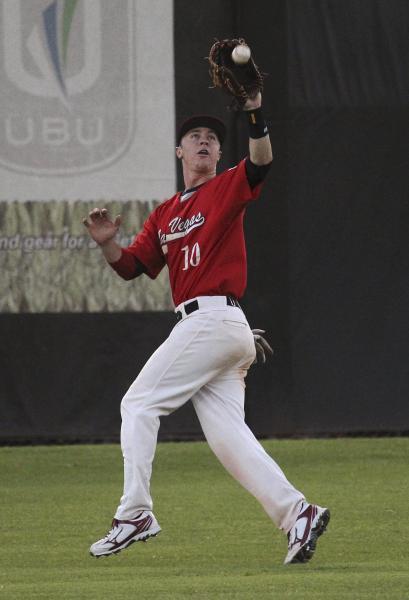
<point>204,359</point>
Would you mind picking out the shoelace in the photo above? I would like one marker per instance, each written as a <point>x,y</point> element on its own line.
<point>111,531</point>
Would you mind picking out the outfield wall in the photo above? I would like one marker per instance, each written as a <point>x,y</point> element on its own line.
<point>328,242</point>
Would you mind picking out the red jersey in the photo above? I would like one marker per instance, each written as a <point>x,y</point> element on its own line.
<point>199,235</point>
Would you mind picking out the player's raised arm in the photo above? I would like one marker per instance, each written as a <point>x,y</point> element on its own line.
<point>233,69</point>
<point>260,150</point>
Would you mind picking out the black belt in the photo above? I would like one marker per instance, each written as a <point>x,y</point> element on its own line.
<point>194,305</point>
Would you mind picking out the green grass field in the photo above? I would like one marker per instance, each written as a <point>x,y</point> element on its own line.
<point>217,542</point>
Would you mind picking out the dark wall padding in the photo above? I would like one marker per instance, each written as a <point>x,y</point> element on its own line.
<point>63,376</point>
<point>349,256</point>
<point>348,214</point>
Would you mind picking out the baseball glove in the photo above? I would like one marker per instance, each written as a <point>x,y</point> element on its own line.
<point>240,81</point>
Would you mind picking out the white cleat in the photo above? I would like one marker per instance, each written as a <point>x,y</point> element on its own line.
<point>303,536</point>
<point>124,533</point>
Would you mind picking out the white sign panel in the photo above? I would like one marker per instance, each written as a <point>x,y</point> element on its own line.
<point>86,99</point>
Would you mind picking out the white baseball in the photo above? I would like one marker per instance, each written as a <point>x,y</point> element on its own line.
<point>241,54</point>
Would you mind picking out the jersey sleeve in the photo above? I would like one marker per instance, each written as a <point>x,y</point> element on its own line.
<point>146,248</point>
<point>128,266</point>
<point>235,189</point>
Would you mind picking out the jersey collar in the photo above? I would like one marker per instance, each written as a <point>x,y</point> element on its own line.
<point>186,194</point>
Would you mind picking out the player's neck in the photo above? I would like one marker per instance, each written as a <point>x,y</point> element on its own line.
<point>193,179</point>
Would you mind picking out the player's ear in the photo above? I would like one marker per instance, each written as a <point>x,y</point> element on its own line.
<point>179,152</point>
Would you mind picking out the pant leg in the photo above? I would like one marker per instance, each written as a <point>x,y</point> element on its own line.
<point>220,408</point>
<point>197,349</point>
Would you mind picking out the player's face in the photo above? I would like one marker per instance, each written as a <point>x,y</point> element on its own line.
<point>200,149</point>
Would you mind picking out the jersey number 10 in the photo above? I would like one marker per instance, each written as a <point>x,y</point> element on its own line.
<point>192,257</point>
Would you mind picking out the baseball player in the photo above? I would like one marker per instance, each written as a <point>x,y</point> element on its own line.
<point>198,234</point>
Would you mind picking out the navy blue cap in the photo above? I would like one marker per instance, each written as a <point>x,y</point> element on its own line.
<point>203,121</point>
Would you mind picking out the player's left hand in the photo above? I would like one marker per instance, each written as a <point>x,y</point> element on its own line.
<point>262,346</point>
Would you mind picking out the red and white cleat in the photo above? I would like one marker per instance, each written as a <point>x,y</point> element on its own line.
<point>302,537</point>
<point>124,533</point>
